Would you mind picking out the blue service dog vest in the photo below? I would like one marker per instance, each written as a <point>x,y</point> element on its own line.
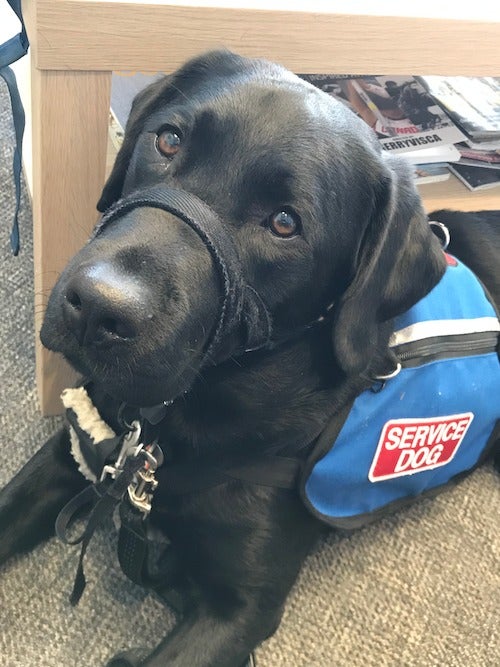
<point>428,426</point>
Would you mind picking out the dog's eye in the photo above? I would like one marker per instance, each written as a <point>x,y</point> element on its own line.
<point>284,223</point>
<point>168,141</point>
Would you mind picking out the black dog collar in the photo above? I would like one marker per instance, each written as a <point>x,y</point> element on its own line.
<point>241,304</point>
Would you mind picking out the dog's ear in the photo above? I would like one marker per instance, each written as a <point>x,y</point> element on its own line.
<point>398,262</point>
<point>141,106</point>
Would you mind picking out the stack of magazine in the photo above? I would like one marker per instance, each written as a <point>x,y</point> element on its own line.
<point>407,120</point>
<point>474,106</point>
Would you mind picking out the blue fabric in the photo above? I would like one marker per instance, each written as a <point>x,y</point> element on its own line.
<point>10,51</point>
<point>449,302</point>
<point>16,47</point>
<point>347,481</point>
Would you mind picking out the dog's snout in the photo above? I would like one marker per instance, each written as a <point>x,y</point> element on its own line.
<point>101,304</point>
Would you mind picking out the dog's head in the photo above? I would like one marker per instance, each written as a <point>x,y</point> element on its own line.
<point>317,214</point>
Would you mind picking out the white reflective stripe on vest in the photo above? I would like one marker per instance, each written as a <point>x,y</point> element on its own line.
<point>432,328</point>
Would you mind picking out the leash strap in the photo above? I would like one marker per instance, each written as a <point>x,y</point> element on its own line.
<point>279,467</point>
<point>107,500</point>
<point>11,51</point>
<point>89,496</point>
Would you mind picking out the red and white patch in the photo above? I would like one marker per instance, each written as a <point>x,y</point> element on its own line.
<point>408,446</point>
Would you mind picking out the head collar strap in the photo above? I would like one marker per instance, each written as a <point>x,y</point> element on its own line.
<point>240,303</point>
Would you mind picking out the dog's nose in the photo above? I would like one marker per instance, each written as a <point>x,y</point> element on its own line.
<point>101,304</point>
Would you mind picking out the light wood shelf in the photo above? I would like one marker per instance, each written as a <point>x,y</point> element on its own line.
<point>453,194</point>
<point>314,36</point>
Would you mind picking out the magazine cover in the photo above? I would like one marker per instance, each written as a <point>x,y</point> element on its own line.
<point>476,178</point>
<point>398,108</point>
<point>472,102</point>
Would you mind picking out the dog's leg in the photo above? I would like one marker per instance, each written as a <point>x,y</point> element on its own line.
<point>203,639</point>
<point>244,548</point>
<point>30,502</point>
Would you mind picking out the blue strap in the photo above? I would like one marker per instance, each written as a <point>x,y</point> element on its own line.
<point>13,49</point>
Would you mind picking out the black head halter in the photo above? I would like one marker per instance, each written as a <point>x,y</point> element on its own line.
<point>241,304</point>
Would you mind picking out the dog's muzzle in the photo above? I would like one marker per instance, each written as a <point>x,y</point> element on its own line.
<point>242,311</point>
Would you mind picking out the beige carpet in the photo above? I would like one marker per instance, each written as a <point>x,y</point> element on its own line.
<point>419,590</point>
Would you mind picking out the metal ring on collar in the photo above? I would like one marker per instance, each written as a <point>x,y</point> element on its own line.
<point>443,234</point>
<point>389,376</point>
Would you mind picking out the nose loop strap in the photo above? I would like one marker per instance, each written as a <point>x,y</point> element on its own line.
<point>240,302</point>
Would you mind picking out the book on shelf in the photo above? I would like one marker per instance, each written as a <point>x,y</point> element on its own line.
<point>473,103</point>
<point>476,178</point>
<point>431,173</point>
<point>116,131</point>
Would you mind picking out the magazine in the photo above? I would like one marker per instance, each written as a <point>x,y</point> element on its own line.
<point>476,178</point>
<point>483,145</point>
<point>431,173</point>
<point>480,158</point>
<point>398,108</point>
<point>478,164</point>
<point>443,153</point>
<point>472,102</point>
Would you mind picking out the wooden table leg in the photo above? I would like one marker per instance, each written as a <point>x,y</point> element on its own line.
<point>70,125</point>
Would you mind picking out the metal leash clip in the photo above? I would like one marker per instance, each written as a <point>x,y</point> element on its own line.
<point>130,447</point>
<point>142,487</point>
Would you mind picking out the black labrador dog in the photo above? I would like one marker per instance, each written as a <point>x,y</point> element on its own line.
<point>238,292</point>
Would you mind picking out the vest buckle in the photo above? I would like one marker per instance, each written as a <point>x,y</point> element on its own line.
<point>130,447</point>
<point>140,490</point>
